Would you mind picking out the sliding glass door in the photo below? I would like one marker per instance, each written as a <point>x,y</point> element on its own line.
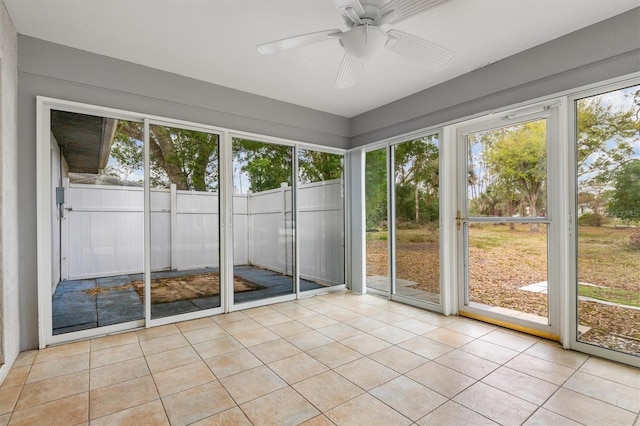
<point>320,219</point>
<point>263,216</point>
<point>416,219</point>
<point>402,201</point>
<point>377,231</point>
<point>97,204</point>
<point>184,274</point>
<point>145,222</point>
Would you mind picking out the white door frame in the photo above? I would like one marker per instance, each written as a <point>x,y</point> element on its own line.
<point>556,241</point>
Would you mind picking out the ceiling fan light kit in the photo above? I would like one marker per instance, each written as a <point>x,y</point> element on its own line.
<point>367,36</point>
<point>363,41</point>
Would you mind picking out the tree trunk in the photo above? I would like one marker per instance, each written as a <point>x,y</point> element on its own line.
<point>163,152</point>
<point>417,194</point>
<point>512,225</point>
<point>533,199</point>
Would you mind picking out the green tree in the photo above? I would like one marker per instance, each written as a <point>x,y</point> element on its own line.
<point>316,166</point>
<point>604,137</point>
<point>625,197</point>
<point>376,187</point>
<point>266,165</point>
<point>417,180</point>
<point>187,158</point>
<point>604,144</point>
<point>518,160</point>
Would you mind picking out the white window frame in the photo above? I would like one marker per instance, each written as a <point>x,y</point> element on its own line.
<point>572,321</point>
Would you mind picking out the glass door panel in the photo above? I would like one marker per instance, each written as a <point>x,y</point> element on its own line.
<point>417,219</point>
<point>377,246</point>
<point>263,243</point>
<point>320,201</point>
<point>97,221</point>
<point>185,224</point>
<point>506,229</point>
<point>608,219</point>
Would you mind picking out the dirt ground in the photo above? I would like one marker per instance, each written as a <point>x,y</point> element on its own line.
<point>502,260</point>
<point>417,262</point>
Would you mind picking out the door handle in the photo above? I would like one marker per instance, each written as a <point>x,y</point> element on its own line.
<point>459,220</point>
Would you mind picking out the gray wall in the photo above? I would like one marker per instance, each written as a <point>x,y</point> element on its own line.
<point>9,243</point>
<point>57,71</point>
<point>608,49</point>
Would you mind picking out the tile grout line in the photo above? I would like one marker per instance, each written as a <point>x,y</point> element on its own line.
<point>155,384</point>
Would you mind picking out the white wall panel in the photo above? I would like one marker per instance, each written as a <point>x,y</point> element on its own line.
<point>106,230</point>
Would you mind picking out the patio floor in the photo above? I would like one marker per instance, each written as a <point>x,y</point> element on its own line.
<point>113,300</point>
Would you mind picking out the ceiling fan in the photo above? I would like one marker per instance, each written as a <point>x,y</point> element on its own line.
<point>369,31</point>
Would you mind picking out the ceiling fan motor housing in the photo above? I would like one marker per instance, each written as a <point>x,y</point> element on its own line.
<point>363,41</point>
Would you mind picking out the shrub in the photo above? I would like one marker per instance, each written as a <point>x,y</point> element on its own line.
<point>592,219</point>
<point>634,239</point>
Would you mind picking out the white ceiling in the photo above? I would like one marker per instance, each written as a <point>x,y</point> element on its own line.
<point>214,41</point>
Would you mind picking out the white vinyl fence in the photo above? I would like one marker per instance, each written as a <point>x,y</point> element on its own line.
<point>104,232</point>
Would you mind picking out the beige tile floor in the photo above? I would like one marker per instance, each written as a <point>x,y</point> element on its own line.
<point>341,359</point>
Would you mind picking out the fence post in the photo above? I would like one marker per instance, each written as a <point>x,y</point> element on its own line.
<point>173,227</point>
<point>283,191</point>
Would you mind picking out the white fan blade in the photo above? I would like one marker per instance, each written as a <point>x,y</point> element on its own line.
<point>420,50</point>
<point>297,41</point>
<point>354,4</point>
<point>408,8</point>
<point>348,72</point>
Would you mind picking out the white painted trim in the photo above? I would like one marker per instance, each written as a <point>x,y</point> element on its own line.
<point>556,210</point>
<point>147,225</point>
<point>95,332</point>
<point>324,290</point>
<point>225,170</point>
<point>418,303</point>
<point>356,247</point>
<point>448,203</point>
<point>187,316</point>
<point>262,302</point>
<point>44,232</point>
<point>391,218</point>
<point>294,217</point>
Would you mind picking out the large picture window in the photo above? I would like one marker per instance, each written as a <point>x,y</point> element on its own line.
<point>608,220</point>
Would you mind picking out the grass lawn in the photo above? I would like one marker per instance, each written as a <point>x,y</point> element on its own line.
<point>605,259</point>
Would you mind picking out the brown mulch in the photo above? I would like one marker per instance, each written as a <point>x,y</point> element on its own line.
<point>611,326</point>
<point>188,287</point>
<point>417,262</point>
<point>185,287</point>
<point>495,281</point>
